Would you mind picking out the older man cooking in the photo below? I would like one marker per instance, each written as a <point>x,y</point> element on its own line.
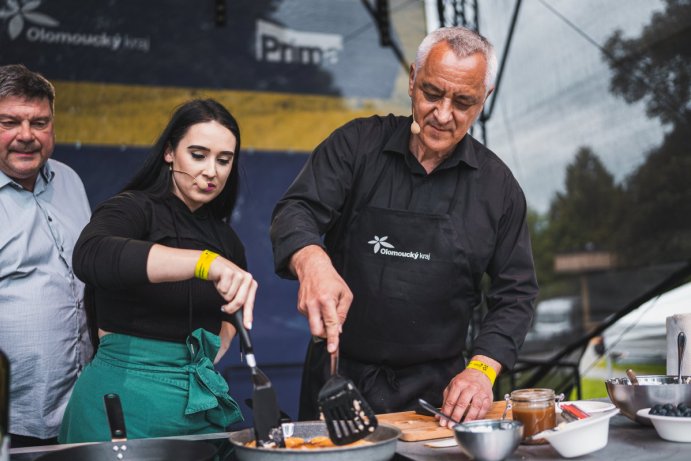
<point>414,211</point>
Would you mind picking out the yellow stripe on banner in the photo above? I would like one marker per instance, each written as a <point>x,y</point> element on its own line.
<point>134,115</point>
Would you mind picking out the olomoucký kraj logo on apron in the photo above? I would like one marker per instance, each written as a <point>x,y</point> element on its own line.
<point>382,247</point>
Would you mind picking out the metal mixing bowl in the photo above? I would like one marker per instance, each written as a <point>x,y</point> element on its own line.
<point>489,439</point>
<point>651,390</point>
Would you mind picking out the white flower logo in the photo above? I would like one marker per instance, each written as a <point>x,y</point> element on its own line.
<point>380,242</point>
<point>18,14</point>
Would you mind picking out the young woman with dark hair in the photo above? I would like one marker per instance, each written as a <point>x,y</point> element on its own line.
<point>165,270</point>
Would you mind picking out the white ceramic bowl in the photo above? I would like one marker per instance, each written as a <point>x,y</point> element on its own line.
<point>672,428</point>
<point>580,437</point>
<point>592,406</point>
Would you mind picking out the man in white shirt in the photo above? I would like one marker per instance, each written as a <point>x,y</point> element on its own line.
<point>43,208</point>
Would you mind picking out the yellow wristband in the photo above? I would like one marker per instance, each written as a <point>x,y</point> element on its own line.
<point>484,368</point>
<point>201,270</point>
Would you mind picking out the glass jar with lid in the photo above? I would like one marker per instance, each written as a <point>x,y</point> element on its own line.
<point>535,408</point>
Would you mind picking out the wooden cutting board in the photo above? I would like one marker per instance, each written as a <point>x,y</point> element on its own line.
<point>415,427</point>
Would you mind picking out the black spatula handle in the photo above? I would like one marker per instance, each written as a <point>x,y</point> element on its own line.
<point>236,320</point>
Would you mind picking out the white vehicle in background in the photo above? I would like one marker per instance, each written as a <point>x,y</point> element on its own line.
<point>556,321</point>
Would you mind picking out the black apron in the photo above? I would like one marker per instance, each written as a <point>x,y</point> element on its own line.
<point>413,298</point>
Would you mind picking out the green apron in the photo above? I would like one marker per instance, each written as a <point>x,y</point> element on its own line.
<point>165,389</point>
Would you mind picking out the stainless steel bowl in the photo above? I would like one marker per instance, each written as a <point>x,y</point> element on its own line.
<point>489,439</point>
<point>382,446</point>
<point>651,390</point>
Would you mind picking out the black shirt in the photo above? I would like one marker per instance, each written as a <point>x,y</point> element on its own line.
<point>490,214</point>
<point>111,255</point>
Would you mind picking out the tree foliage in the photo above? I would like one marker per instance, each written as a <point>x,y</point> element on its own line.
<point>583,216</point>
<point>657,65</point>
<point>543,252</point>
<point>656,227</point>
<point>646,219</point>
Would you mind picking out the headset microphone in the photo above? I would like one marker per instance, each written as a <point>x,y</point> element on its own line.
<point>415,126</point>
<point>202,184</point>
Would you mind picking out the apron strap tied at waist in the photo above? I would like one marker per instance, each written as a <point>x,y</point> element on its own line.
<point>208,390</point>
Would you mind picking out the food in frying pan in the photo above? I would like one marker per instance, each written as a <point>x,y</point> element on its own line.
<point>320,441</point>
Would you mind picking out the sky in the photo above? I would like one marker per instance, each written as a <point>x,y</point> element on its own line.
<point>554,96</point>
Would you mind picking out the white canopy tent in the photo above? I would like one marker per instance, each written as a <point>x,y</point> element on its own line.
<point>641,335</point>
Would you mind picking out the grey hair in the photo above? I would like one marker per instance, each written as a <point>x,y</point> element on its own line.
<point>17,80</point>
<point>463,42</point>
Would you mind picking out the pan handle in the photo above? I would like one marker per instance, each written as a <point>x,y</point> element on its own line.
<point>116,419</point>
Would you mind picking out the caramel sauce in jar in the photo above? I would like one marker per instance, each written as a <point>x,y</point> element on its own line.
<point>535,409</point>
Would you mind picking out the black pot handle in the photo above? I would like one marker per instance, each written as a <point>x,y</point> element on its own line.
<point>116,419</point>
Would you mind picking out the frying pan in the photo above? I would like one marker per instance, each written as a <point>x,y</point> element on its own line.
<point>382,446</point>
<point>119,448</point>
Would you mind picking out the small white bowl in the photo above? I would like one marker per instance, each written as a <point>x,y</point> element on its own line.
<point>672,428</point>
<point>580,437</point>
<point>592,406</point>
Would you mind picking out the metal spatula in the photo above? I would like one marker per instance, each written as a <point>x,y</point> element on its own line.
<point>267,416</point>
<point>347,415</point>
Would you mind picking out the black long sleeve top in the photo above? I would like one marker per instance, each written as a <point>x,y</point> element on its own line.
<point>490,214</point>
<point>111,255</point>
